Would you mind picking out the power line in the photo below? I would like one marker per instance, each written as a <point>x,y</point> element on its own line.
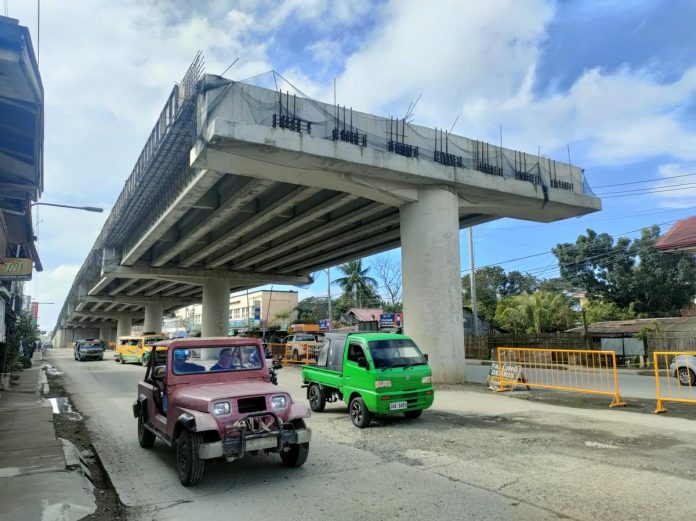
<point>646,190</point>
<point>646,180</point>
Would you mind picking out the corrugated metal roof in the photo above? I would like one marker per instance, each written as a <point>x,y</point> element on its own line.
<point>617,327</point>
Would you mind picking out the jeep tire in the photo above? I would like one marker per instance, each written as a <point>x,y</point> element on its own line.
<point>296,454</point>
<point>317,398</point>
<point>145,437</point>
<point>359,414</point>
<point>188,465</point>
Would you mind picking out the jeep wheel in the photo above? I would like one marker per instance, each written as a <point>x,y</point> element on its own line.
<point>413,414</point>
<point>686,377</point>
<point>120,359</point>
<point>359,414</point>
<point>188,465</point>
<point>145,437</point>
<point>317,398</point>
<point>296,455</point>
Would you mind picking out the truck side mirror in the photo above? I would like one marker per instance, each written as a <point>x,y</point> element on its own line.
<point>425,355</point>
<point>362,362</point>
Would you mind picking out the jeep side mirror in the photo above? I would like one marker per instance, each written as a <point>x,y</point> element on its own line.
<point>425,355</point>
<point>362,362</point>
<point>159,373</point>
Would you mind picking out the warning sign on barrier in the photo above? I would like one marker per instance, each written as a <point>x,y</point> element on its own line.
<point>511,373</point>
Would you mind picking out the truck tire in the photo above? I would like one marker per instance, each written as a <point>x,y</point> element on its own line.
<point>145,437</point>
<point>317,398</point>
<point>188,465</point>
<point>359,414</point>
<point>413,414</point>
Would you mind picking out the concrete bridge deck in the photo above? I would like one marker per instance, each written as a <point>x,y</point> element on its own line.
<point>240,186</point>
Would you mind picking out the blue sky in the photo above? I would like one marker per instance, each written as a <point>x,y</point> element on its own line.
<point>614,81</point>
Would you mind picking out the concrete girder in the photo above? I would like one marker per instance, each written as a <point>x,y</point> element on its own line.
<point>250,191</point>
<point>140,301</point>
<point>159,289</point>
<point>332,243</point>
<point>310,215</point>
<point>180,289</point>
<point>204,180</point>
<point>323,175</point>
<point>103,314</point>
<point>194,291</point>
<point>355,248</point>
<point>96,305</point>
<point>142,287</point>
<point>124,307</point>
<point>77,324</point>
<point>359,255</point>
<point>103,282</point>
<point>199,276</point>
<point>124,285</point>
<point>268,213</point>
<point>312,235</point>
<point>111,306</point>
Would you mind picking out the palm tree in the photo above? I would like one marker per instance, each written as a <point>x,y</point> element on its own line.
<point>539,312</point>
<point>356,284</point>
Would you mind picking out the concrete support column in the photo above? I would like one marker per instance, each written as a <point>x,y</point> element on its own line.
<point>153,318</point>
<point>431,279</point>
<point>216,308</point>
<point>59,339</point>
<point>105,332</point>
<point>123,327</point>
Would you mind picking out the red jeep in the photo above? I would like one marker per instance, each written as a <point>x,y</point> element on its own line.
<point>215,398</point>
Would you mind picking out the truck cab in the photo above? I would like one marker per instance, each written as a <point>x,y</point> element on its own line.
<point>374,373</point>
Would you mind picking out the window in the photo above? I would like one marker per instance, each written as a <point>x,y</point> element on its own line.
<point>355,351</point>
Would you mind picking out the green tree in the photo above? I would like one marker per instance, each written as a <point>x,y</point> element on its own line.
<point>357,285</point>
<point>492,284</point>
<point>539,312</point>
<point>598,311</point>
<point>21,331</point>
<point>629,273</point>
<point>312,309</point>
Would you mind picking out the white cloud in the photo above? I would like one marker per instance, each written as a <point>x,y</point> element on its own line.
<point>676,197</point>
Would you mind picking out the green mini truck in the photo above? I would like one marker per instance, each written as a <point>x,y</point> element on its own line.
<point>374,373</point>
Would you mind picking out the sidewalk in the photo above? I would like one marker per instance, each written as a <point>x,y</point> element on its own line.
<point>35,481</point>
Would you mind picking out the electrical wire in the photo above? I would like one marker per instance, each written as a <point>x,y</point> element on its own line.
<point>645,181</point>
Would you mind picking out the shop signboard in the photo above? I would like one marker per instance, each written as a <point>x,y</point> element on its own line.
<point>16,269</point>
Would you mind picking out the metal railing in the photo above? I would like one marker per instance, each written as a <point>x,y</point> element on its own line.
<point>584,371</point>
<point>677,383</point>
<point>296,353</point>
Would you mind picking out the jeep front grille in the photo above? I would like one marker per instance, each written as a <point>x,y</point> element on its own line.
<point>253,404</point>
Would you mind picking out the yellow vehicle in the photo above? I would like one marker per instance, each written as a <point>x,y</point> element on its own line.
<point>137,348</point>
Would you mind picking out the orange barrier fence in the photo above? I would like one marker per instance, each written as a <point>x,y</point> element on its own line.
<point>295,352</point>
<point>677,383</point>
<point>583,371</point>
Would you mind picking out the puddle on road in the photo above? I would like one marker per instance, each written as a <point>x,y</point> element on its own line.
<point>63,406</point>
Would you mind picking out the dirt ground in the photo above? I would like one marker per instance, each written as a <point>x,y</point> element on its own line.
<point>72,427</point>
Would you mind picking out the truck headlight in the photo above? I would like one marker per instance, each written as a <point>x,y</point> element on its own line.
<point>427,380</point>
<point>221,408</point>
<point>279,402</point>
<point>380,384</point>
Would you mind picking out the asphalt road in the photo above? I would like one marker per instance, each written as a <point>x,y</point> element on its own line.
<point>536,462</point>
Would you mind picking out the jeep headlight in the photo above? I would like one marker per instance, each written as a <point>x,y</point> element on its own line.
<point>279,402</point>
<point>221,408</point>
<point>427,380</point>
<point>379,384</point>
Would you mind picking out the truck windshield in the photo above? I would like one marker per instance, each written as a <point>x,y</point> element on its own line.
<point>395,352</point>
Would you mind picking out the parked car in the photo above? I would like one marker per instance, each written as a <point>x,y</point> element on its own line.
<point>89,348</point>
<point>222,403</point>
<point>683,368</point>
<point>374,373</point>
<point>136,348</point>
<point>296,344</point>
<point>48,345</point>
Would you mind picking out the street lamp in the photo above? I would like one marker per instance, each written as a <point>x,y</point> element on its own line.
<point>85,208</point>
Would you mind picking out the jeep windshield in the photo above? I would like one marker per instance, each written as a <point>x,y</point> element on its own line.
<point>216,359</point>
<point>395,352</point>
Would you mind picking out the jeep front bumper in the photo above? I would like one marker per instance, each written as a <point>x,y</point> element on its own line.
<point>243,441</point>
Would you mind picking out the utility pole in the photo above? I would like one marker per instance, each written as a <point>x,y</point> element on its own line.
<point>473,280</point>
<point>328,278</point>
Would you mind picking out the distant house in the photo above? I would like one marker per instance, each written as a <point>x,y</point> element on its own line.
<point>620,335</point>
<point>484,327</point>
<point>354,316</point>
